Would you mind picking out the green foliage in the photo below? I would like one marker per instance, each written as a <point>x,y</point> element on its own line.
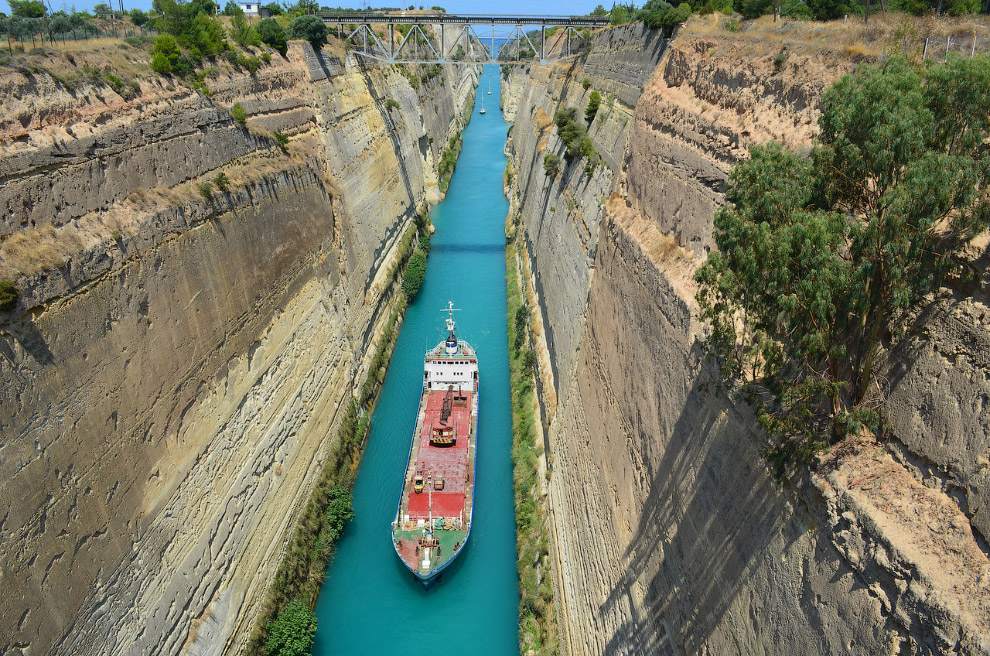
<point>309,28</point>
<point>243,34</point>
<point>599,10</point>
<point>391,104</point>
<point>721,6</point>
<point>238,113</point>
<point>619,15</point>
<point>448,161</point>
<point>194,28</point>
<point>274,9</point>
<point>222,181</point>
<point>206,189</point>
<point>551,165</point>
<point>585,84</point>
<point>731,25</point>
<point>820,257</point>
<point>415,273</point>
<point>592,109</point>
<point>779,61</point>
<point>8,295</point>
<point>165,54</point>
<point>232,9</point>
<point>272,34</point>
<point>573,133</point>
<point>138,17</point>
<point>27,8</point>
<point>666,17</point>
<point>291,633</point>
<point>537,628</point>
<point>248,62</point>
<point>282,140</point>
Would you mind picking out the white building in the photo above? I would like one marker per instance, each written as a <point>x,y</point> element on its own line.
<point>249,8</point>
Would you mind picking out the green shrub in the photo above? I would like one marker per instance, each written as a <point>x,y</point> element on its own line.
<point>551,165</point>
<point>586,84</point>
<point>8,295</point>
<point>448,161</point>
<point>165,54</point>
<point>592,109</point>
<point>238,113</point>
<point>731,25</point>
<point>571,131</point>
<point>222,181</point>
<point>391,104</point>
<point>415,273</point>
<point>291,633</point>
<point>206,189</point>
<point>243,34</point>
<point>779,61</point>
<point>309,28</point>
<point>282,140</point>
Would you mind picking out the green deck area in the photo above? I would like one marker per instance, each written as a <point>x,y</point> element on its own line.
<point>447,541</point>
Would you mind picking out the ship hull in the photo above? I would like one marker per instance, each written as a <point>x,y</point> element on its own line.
<point>432,526</point>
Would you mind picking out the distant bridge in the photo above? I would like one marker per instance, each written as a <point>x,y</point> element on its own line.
<point>455,38</point>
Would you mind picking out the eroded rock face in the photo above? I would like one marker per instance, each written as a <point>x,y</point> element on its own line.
<point>668,534</point>
<point>174,371</point>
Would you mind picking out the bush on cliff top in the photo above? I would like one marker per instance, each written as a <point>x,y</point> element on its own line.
<point>820,257</point>
<point>309,28</point>
<point>272,33</point>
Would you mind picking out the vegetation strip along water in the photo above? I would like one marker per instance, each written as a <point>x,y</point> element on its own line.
<point>538,631</point>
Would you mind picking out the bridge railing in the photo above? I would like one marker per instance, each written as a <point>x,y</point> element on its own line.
<point>460,19</point>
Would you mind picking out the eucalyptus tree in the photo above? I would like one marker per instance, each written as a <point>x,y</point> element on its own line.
<point>819,258</point>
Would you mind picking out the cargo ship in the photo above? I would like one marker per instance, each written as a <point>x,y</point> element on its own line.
<point>433,520</point>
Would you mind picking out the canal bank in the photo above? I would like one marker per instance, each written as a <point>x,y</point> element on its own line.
<point>370,604</point>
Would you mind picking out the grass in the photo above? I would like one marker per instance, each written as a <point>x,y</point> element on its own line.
<point>538,631</point>
<point>886,33</point>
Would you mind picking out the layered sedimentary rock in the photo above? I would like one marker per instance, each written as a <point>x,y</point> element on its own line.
<point>173,372</point>
<point>669,535</point>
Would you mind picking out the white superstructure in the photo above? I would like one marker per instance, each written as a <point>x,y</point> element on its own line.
<point>451,362</point>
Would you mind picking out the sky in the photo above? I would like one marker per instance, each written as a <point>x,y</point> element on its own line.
<point>566,7</point>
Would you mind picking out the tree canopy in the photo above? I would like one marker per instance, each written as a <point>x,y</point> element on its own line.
<point>272,33</point>
<point>820,257</point>
<point>309,28</point>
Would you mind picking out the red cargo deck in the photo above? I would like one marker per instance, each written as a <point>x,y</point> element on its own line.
<point>449,463</point>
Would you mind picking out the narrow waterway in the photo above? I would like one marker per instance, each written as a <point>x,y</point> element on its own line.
<point>370,604</point>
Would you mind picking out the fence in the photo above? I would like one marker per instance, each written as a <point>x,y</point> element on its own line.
<point>38,34</point>
<point>937,48</point>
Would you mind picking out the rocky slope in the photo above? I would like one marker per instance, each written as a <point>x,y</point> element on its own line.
<point>173,372</point>
<point>669,536</point>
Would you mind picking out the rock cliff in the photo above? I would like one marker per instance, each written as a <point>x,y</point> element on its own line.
<point>183,342</point>
<point>669,535</point>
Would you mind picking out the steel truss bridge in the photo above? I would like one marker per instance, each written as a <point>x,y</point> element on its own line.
<point>440,38</point>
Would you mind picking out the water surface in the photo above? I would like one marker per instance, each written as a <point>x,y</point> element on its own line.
<point>370,603</point>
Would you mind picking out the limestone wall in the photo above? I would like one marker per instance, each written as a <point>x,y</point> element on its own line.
<point>173,372</point>
<point>669,536</point>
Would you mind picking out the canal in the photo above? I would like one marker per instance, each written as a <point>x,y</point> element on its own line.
<point>369,603</point>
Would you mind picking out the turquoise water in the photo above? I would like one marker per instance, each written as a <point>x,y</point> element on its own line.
<point>370,603</point>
